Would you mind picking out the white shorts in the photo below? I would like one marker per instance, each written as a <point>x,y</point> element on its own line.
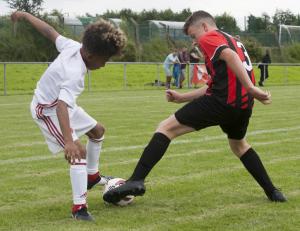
<point>168,70</point>
<point>80,123</point>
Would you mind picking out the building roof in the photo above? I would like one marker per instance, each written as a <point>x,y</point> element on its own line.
<point>72,21</point>
<point>170,24</point>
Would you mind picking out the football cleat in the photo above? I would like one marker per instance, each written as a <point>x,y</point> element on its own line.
<point>276,196</point>
<point>130,188</point>
<point>100,179</point>
<point>82,214</point>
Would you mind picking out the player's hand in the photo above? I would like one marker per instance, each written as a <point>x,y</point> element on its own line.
<point>72,152</point>
<point>173,96</point>
<point>262,96</point>
<point>17,16</point>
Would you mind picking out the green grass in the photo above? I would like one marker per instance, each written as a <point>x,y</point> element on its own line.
<point>22,78</point>
<point>198,185</point>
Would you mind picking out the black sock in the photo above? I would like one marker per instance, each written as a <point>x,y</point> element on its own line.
<point>154,151</point>
<point>254,165</point>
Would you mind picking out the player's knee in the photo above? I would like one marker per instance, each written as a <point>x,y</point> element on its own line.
<point>239,148</point>
<point>97,132</point>
<point>166,127</point>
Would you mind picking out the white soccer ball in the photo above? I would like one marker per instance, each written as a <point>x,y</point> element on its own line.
<point>114,183</point>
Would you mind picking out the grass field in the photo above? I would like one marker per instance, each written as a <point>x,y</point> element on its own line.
<point>22,78</point>
<point>198,185</point>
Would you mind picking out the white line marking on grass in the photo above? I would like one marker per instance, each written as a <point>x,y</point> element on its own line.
<point>181,141</point>
<point>210,172</point>
<point>185,141</point>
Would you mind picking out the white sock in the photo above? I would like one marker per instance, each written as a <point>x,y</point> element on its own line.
<point>78,175</point>
<point>93,149</point>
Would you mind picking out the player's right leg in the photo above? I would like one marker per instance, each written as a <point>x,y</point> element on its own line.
<point>166,131</point>
<point>78,176</point>
<point>49,126</point>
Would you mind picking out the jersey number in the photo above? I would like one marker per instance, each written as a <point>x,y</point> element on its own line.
<point>247,63</point>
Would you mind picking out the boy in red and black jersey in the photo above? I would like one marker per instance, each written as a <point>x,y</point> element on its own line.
<point>226,101</point>
<point>224,84</point>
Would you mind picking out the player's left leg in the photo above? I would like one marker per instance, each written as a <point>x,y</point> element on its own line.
<point>255,167</point>
<point>93,149</point>
<point>182,77</point>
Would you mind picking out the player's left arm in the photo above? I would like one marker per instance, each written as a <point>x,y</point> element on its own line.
<point>41,26</point>
<point>235,64</point>
<point>176,97</point>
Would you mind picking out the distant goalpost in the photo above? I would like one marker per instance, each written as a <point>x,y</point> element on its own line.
<point>288,34</point>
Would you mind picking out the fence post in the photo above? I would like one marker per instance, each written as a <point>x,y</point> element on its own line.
<point>124,76</point>
<point>188,75</point>
<point>286,75</point>
<point>89,80</point>
<point>4,79</point>
<point>157,76</point>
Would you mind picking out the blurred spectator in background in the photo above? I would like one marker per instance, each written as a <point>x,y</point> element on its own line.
<point>263,66</point>
<point>184,58</point>
<point>195,56</point>
<point>237,37</point>
<point>168,63</point>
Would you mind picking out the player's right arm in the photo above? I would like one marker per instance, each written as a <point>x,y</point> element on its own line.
<point>41,26</point>
<point>72,151</point>
<point>176,97</point>
<point>235,64</point>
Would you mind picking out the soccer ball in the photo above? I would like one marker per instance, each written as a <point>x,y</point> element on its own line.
<point>114,183</point>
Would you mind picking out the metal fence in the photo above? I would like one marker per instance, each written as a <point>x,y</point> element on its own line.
<point>21,77</point>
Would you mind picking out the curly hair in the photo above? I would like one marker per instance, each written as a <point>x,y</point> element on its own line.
<point>195,17</point>
<point>102,38</point>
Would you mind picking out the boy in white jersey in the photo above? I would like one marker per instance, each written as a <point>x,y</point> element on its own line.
<point>54,106</point>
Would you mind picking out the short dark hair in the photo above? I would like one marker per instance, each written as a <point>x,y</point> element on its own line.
<point>102,38</point>
<point>196,16</point>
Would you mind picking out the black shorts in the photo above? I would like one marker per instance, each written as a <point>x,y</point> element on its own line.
<point>207,111</point>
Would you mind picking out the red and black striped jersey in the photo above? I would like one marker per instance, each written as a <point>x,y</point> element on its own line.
<point>223,83</point>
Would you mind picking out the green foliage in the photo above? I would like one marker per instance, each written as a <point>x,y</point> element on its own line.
<point>285,17</point>
<point>259,24</point>
<point>292,53</point>
<point>31,6</point>
<point>155,50</point>
<point>145,15</point>
<point>253,48</point>
<point>227,23</point>
<point>27,44</point>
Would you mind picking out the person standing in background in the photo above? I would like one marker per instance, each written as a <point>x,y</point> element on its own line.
<point>263,66</point>
<point>184,58</point>
<point>169,61</point>
<point>195,56</point>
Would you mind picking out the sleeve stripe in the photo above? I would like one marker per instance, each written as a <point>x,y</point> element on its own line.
<point>218,51</point>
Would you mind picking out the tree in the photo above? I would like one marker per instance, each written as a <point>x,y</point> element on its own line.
<point>31,6</point>
<point>256,24</point>
<point>285,17</point>
<point>227,23</point>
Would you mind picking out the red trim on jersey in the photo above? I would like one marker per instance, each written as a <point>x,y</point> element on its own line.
<point>54,103</point>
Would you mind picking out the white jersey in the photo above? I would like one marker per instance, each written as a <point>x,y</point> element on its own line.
<point>64,78</point>
<point>171,58</point>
